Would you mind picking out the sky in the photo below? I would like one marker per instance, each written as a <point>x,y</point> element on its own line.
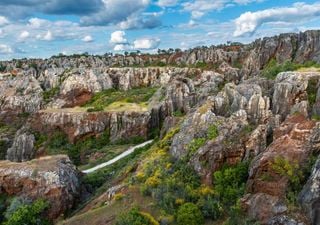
<point>42,28</point>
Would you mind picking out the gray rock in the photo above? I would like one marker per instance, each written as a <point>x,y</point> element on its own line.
<point>22,148</point>
<point>309,197</point>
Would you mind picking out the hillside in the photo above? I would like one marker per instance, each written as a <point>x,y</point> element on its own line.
<point>235,132</point>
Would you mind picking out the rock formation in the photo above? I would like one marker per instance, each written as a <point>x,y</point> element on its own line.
<point>52,178</point>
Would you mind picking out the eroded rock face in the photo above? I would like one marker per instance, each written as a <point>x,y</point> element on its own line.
<point>76,125</point>
<point>22,148</point>
<point>53,178</point>
<point>290,92</point>
<point>310,195</point>
<point>20,94</point>
<point>267,188</point>
<point>248,97</point>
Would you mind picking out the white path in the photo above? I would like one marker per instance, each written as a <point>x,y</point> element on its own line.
<point>122,155</point>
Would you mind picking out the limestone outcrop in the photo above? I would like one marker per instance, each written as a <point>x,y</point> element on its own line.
<point>53,178</point>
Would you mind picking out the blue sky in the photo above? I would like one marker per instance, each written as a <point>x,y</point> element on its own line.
<point>42,28</point>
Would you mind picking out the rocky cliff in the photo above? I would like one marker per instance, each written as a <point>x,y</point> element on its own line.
<point>222,107</point>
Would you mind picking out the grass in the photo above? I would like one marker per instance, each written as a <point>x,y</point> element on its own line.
<point>106,214</point>
<point>272,69</point>
<point>117,100</point>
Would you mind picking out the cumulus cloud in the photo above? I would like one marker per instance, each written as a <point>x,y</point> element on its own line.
<point>87,38</point>
<point>122,47</point>
<point>249,22</point>
<point>37,23</point>
<point>118,37</point>
<point>23,36</point>
<point>5,49</point>
<point>146,43</point>
<point>48,36</point>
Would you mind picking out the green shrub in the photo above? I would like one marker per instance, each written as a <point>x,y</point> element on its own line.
<point>178,113</point>
<point>135,217</point>
<point>195,144</point>
<point>229,183</point>
<point>189,214</point>
<point>293,172</point>
<point>29,214</point>
<point>210,207</point>
<point>312,91</point>
<point>3,68</point>
<point>213,132</point>
<point>48,95</point>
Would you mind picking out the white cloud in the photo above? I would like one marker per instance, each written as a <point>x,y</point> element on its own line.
<point>122,47</point>
<point>167,3</point>
<point>87,38</point>
<point>45,37</point>
<point>3,21</point>
<point>23,36</point>
<point>5,49</point>
<point>146,43</point>
<point>118,37</point>
<point>249,22</point>
<point>199,8</point>
<point>37,23</point>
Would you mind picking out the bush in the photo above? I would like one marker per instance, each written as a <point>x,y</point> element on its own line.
<point>195,144</point>
<point>48,95</point>
<point>29,214</point>
<point>229,183</point>
<point>210,207</point>
<point>189,214</point>
<point>213,132</point>
<point>135,217</point>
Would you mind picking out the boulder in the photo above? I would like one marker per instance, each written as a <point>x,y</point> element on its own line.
<point>52,178</point>
<point>291,143</point>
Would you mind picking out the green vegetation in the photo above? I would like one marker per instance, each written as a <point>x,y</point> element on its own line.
<point>213,132</point>
<point>58,143</point>
<point>2,68</point>
<point>196,143</point>
<point>312,91</point>
<point>49,94</point>
<point>177,188</point>
<point>229,183</point>
<point>189,214</point>
<point>272,69</point>
<point>29,214</point>
<point>106,98</point>
<point>294,173</point>
<point>178,113</point>
<point>135,217</point>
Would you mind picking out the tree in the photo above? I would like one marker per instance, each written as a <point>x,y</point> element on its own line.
<point>135,217</point>
<point>189,214</point>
